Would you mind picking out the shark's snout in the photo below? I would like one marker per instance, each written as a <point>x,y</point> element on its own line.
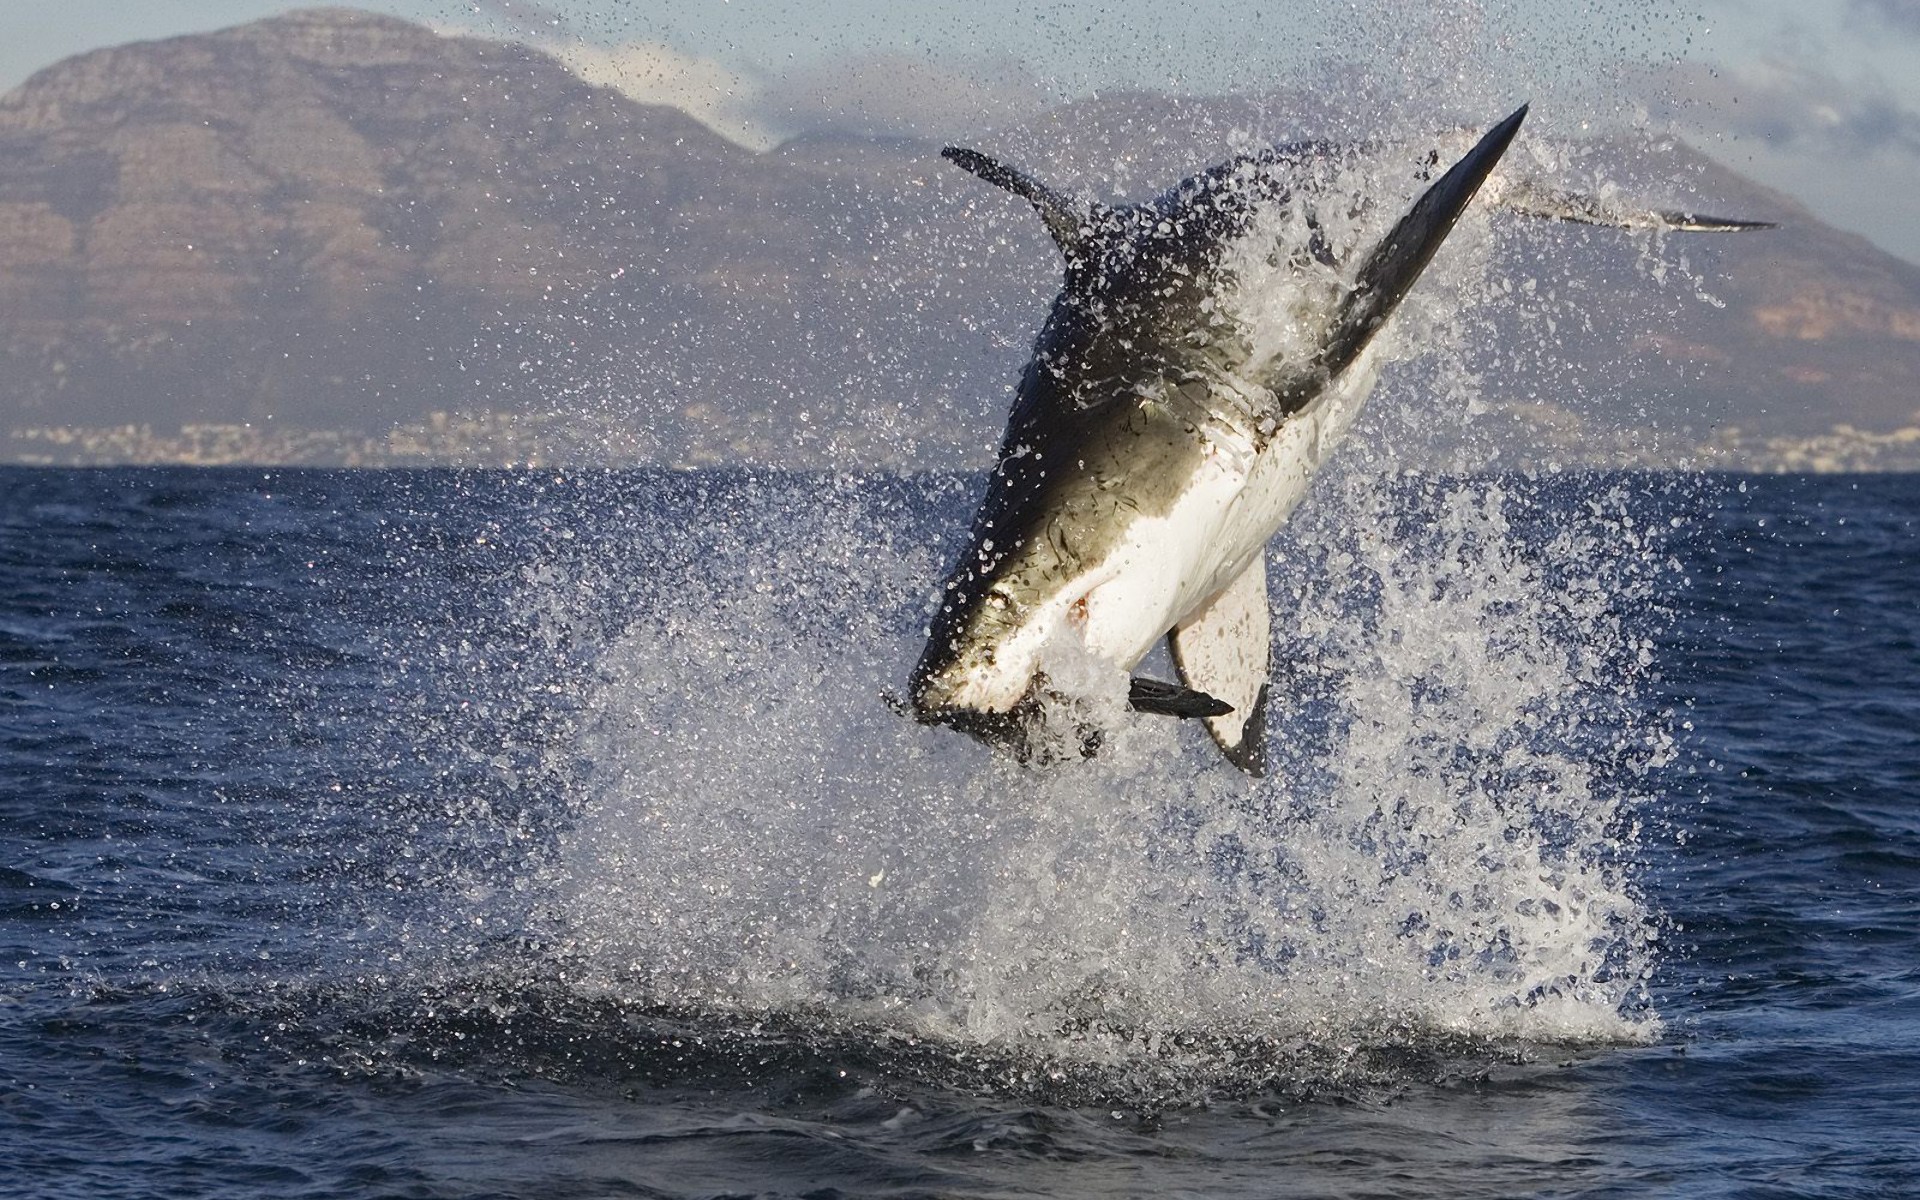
<point>958,679</point>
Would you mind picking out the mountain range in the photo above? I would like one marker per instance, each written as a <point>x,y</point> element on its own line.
<point>335,236</point>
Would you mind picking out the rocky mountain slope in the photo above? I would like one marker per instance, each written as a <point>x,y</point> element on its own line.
<point>333,221</point>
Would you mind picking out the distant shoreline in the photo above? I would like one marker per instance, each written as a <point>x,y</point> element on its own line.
<point>500,442</point>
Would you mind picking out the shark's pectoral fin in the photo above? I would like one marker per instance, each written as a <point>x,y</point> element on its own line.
<point>1392,266</point>
<point>1225,650</point>
<point>1171,700</point>
<point>1067,219</point>
<point>1537,200</point>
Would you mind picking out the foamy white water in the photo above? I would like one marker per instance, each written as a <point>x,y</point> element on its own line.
<point>1435,849</point>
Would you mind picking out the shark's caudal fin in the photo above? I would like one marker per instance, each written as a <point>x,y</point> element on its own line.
<point>1538,200</point>
<point>1226,650</point>
<point>1066,218</point>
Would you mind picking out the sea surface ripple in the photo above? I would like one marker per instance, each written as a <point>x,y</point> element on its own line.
<point>514,834</point>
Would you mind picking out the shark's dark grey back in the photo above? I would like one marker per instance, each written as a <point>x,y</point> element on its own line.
<point>1155,249</point>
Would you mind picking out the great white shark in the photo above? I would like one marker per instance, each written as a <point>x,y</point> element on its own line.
<point>1161,435</point>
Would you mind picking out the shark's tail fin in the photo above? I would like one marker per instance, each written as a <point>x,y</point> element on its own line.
<point>1067,219</point>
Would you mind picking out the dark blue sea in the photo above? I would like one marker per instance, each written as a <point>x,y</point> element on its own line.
<point>532,834</point>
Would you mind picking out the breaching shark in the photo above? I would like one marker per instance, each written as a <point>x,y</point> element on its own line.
<point>1159,439</point>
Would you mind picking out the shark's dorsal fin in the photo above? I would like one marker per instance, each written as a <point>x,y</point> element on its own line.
<point>1226,651</point>
<point>1067,219</point>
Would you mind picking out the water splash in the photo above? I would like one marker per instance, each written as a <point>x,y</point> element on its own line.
<point>1441,853</point>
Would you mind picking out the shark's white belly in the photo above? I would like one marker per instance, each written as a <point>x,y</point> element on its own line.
<point>1167,567</point>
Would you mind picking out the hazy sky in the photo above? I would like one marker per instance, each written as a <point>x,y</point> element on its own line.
<point>1820,98</point>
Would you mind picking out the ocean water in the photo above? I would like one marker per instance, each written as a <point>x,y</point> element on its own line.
<point>537,834</point>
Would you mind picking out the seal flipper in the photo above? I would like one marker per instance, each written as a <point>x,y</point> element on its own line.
<point>1171,700</point>
<point>1537,200</point>
<point>1066,219</point>
<point>1226,650</point>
